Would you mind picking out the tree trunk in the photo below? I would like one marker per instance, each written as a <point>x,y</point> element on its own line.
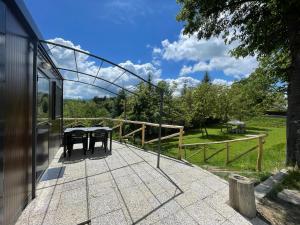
<point>293,118</point>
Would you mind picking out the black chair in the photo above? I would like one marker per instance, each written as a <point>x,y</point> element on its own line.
<point>77,137</point>
<point>98,136</point>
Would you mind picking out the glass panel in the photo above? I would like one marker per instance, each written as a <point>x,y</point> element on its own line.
<point>43,98</point>
<point>58,102</point>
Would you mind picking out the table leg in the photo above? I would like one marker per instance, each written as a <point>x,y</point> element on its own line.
<point>65,145</point>
<point>110,142</point>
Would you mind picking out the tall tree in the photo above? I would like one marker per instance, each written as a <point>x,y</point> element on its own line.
<point>261,27</point>
<point>206,78</point>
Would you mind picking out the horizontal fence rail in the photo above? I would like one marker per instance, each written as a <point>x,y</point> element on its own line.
<point>205,145</point>
<point>119,123</point>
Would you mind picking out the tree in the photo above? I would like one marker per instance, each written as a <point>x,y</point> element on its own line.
<point>262,27</point>
<point>119,106</point>
<point>205,101</point>
<point>206,78</point>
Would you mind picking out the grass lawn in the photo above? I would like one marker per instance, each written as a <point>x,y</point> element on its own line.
<point>273,155</point>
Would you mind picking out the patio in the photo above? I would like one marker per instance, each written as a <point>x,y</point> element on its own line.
<point>127,188</point>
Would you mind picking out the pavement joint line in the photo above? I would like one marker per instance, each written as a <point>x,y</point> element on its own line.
<point>142,181</point>
<point>119,191</point>
<point>88,176</point>
<point>45,214</point>
<point>87,191</point>
<point>162,203</point>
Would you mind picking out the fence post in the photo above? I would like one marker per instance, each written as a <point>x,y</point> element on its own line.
<point>143,134</point>
<point>260,153</point>
<point>227,153</point>
<point>180,142</point>
<point>204,153</point>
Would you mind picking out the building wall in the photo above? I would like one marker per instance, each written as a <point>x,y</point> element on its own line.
<point>17,96</point>
<point>17,106</point>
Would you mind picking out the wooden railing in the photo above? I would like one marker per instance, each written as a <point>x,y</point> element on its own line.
<point>260,138</point>
<point>119,123</point>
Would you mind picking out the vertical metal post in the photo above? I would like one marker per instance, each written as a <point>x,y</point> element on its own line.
<point>159,128</point>
<point>34,117</point>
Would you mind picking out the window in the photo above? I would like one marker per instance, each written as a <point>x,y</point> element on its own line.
<point>56,101</point>
<point>42,98</point>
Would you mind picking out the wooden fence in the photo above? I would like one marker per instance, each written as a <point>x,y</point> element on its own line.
<point>260,142</point>
<point>119,123</point>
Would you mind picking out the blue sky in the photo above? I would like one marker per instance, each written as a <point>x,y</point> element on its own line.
<point>141,33</point>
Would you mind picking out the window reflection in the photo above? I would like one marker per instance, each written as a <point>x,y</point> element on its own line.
<point>43,98</point>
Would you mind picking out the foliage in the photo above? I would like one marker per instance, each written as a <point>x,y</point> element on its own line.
<point>259,26</point>
<point>194,107</point>
<point>83,108</point>
<point>274,147</point>
<point>268,28</point>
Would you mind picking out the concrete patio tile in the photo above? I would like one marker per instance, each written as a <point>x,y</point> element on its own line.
<point>180,218</point>
<point>67,214</point>
<point>165,196</point>
<point>71,196</point>
<point>97,190</point>
<point>31,220</point>
<point>66,186</point>
<point>121,172</point>
<point>127,181</point>
<point>129,156</point>
<point>104,204</point>
<point>98,179</point>
<point>227,222</point>
<point>96,167</point>
<point>113,218</point>
<point>204,214</point>
<point>162,211</point>
<point>155,187</point>
<point>187,198</point>
<point>239,220</point>
<point>218,202</point>
<point>133,196</point>
<point>126,188</point>
<point>214,183</point>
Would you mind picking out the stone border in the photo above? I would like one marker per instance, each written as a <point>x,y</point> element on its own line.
<point>265,187</point>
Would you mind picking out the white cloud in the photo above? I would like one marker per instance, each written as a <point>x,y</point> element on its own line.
<point>222,82</point>
<point>180,82</point>
<point>64,58</point>
<point>206,55</point>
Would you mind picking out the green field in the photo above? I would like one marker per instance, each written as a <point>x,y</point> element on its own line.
<point>273,155</point>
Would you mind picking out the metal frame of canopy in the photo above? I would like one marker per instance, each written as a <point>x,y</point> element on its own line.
<point>46,44</point>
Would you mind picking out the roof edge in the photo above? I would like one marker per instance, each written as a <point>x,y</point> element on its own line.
<point>23,13</point>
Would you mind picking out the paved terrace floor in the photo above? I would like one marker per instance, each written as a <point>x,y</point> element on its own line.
<point>127,188</point>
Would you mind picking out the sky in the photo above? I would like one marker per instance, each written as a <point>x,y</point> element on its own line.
<point>140,35</point>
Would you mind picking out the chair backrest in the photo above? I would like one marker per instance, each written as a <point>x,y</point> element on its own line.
<point>78,134</point>
<point>99,133</point>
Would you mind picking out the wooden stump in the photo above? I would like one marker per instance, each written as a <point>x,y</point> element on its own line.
<point>241,195</point>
